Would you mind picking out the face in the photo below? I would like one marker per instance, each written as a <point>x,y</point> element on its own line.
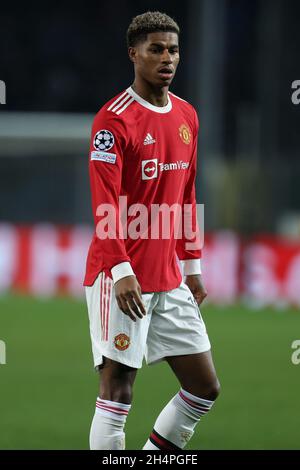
<point>156,59</point>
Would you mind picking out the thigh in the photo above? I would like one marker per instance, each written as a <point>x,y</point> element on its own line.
<point>114,372</point>
<point>116,381</point>
<point>196,373</point>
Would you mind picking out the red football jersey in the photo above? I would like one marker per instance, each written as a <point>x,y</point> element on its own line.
<point>145,155</point>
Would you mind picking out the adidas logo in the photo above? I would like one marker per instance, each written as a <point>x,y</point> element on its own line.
<point>149,139</point>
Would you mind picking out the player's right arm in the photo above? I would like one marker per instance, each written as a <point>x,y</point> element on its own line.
<point>129,297</point>
<point>108,141</point>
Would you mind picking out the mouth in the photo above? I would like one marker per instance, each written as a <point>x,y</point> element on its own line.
<point>166,73</point>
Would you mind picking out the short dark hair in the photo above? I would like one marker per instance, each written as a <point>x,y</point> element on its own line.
<point>149,22</point>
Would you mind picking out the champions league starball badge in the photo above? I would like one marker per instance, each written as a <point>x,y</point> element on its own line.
<point>104,140</point>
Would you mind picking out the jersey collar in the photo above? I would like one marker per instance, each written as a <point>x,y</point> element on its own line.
<point>146,104</point>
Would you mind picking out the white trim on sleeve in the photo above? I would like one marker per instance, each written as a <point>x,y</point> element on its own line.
<point>191,266</point>
<point>121,270</point>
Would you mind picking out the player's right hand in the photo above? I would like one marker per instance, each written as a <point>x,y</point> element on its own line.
<point>129,297</point>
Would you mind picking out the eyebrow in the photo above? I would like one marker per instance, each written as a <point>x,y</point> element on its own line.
<point>159,44</point>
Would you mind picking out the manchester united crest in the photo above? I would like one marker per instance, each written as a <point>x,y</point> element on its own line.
<point>185,133</point>
<point>122,342</point>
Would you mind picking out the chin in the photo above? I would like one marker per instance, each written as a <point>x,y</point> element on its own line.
<point>164,83</point>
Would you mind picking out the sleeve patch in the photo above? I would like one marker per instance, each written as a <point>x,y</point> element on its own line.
<point>104,157</point>
<point>103,140</point>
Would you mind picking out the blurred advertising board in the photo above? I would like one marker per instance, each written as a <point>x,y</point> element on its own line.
<point>48,260</point>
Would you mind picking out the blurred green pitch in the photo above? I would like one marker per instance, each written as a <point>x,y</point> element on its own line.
<point>48,387</point>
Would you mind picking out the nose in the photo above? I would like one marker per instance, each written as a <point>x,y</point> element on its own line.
<point>166,57</point>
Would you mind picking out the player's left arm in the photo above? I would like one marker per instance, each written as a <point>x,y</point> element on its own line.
<point>187,248</point>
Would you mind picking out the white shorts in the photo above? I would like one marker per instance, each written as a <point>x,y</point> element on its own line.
<point>173,326</point>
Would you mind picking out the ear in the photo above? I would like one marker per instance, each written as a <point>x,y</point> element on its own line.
<point>132,53</point>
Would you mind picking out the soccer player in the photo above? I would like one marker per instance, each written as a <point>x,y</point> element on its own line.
<point>143,151</point>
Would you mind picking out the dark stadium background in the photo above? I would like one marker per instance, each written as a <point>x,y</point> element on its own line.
<point>60,62</point>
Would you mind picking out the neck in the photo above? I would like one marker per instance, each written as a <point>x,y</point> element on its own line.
<point>154,95</point>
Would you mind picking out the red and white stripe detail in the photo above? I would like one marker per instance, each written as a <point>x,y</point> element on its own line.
<point>161,442</point>
<point>113,409</point>
<point>105,303</point>
<point>201,406</point>
<point>121,103</point>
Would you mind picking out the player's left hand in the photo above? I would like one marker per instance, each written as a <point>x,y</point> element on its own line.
<point>196,286</point>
